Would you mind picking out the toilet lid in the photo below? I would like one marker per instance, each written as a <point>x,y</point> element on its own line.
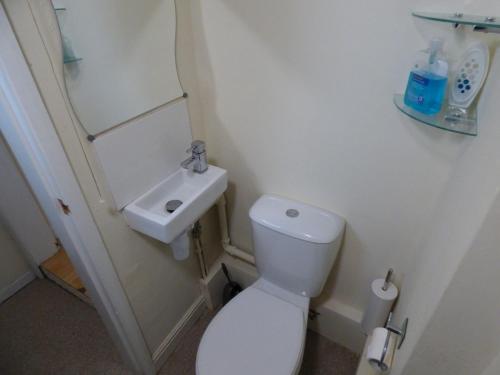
<point>255,333</point>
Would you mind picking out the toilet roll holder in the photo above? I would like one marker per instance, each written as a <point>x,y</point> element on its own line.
<point>391,328</point>
<point>400,331</point>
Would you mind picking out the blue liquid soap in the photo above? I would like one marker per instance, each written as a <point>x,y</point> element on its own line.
<point>425,91</point>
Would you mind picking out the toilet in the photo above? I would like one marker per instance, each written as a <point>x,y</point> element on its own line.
<point>262,330</point>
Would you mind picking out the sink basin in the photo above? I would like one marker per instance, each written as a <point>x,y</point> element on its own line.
<point>198,192</point>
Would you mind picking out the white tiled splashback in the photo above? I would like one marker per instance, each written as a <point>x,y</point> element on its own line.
<point>137,156</point>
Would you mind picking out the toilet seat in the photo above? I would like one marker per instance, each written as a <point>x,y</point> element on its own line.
<point>256,333</point>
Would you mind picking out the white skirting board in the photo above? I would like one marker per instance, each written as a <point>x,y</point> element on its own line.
<point>337,322</point>
<point>170,342</point>
<point>15,286</point>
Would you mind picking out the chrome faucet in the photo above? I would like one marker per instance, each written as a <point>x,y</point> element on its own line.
<point>198,158</point>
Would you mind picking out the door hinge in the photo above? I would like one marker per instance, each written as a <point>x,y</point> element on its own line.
<point>58,243</point>
<point>64,207</point>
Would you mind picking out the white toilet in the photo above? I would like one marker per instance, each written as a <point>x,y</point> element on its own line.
<point>262,330</point>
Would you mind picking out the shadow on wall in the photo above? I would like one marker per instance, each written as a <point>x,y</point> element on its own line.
<point>467,314</point>
<point>331,281</point>
<point>456,222</point>
<point>223,147</point>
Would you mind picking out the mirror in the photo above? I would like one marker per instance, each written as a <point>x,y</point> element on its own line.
<point>119,58</point>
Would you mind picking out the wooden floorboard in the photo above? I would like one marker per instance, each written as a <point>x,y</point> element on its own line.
<point>60,269</point>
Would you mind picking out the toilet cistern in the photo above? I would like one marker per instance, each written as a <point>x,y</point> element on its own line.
<point>198,158</point>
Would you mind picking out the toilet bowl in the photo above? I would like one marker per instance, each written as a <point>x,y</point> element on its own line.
<point>263,329</point>
<point>256,333</point>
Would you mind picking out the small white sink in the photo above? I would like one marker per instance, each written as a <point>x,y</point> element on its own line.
<point>198,192</point>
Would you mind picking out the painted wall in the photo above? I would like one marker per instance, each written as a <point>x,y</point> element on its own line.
<point>463,335</point>
<point>457,222</point>
<point>494,367</point>
<point>282,111</point>
<point>12,264</point>
<point>160,289</point>
<point>297,100</point>
<point>21,212</point>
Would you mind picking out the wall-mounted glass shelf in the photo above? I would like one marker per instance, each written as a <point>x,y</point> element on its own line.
<point>480,23</point>
<point>453,121</point>
<point>59,9</point>
<point>70,60</point>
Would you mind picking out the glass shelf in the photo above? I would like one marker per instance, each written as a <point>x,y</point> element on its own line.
<point>462,19</point>
<point>59,9</point>
<point>70,60</point>
<point>448,119</point>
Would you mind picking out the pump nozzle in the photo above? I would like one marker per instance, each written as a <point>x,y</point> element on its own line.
<point>435,46</point>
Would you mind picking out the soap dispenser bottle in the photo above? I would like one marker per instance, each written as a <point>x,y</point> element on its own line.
<point>427,82</point>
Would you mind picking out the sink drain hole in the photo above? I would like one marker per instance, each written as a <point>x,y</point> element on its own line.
<point>172,205</point>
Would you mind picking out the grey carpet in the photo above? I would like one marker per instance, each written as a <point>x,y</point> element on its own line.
<point>321,356</point>
<point>46,330</point>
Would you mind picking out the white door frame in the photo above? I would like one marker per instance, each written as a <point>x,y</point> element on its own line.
<point>28,129</point>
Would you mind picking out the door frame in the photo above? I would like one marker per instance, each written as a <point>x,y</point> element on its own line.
<point>28,129</point>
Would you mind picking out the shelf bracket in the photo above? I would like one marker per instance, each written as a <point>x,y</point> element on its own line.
<point>486,30</point>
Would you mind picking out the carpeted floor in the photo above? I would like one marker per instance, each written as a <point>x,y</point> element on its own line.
<point>46,330</point>
<point>321,356</point>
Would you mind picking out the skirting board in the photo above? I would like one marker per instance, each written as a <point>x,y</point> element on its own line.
<point>339,323</point>
<point>336,321</point>
<point>15,286</point>
<point>170,342</point>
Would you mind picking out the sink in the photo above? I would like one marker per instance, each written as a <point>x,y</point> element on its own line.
<point>198,192</point>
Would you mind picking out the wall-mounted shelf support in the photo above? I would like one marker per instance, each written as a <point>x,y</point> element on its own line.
<point>486,30</point>
<point>484,24</point>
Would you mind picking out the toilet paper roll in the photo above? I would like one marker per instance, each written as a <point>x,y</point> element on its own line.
<point>381,348</point>
<point>379,305</point>
<point>180,246</point>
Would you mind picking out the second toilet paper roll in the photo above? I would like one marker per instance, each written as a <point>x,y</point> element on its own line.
<point>379,305</point>
<point>381,349</point>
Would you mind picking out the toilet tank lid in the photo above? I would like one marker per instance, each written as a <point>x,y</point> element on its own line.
<point>296,219</point>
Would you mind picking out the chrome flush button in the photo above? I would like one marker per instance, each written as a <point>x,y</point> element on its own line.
<point>291,212</point>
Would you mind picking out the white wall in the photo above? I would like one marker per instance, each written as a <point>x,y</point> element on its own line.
<point>297,100</point>
<point>463,335</point>
<point>456,222</point>
<point>12,265</point>
<point>494,367</point>
<point>160,289</point>
<point>20,210</point>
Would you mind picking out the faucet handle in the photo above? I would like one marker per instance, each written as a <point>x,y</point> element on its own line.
<point>197,147</point>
